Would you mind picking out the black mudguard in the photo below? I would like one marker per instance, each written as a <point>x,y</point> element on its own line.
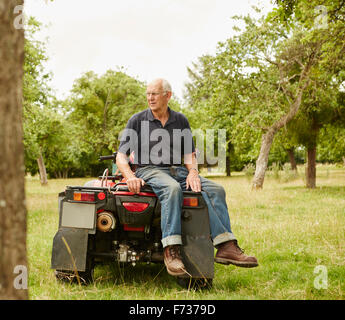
<point>77,241</point>
<point>197,250</point>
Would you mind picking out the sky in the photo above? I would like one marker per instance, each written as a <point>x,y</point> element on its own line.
<point>149,38</point>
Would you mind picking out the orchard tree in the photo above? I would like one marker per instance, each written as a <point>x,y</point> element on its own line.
<point>99,108</point>
<point>320,107</point>
<point>257,80</point>
<point>39,119</point>
<point>322,104</point>
<point>255,84</point>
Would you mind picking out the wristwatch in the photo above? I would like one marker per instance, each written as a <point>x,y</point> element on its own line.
<point>194,169</point>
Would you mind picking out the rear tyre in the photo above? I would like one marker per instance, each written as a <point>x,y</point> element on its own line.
<point>85,277</point>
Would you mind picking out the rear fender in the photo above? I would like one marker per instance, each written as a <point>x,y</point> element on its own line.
<point>76,221</point>
<point>73,240</point>
<point>197,250</point>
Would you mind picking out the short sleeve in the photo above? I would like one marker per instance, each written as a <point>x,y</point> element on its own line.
<point>129,138</point>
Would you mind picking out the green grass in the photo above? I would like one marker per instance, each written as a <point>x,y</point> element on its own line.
<point>290,229</point>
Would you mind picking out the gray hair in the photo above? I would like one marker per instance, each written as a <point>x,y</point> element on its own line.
<point>166,85</point>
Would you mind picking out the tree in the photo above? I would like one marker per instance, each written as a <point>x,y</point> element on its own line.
<point>320,106</point>
<point>37,109</point>
<point>12,199</point>
<point>98,110</point>
<point>257,80</point>
<point>255,83</point>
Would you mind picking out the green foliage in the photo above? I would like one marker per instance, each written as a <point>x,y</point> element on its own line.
<point>98,110</point>
<point>72,134</point>
<point>38,117</point>
<point>253,79</point>
<point>331,147</point>
<point>102,105</point>
<point>322,103</point>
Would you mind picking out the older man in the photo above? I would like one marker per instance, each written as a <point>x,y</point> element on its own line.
<point>169,166</point>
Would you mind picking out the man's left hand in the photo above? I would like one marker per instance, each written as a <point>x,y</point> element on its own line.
<point>193,181</point>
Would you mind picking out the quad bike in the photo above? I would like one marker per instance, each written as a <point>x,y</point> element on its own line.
<point>103,222</point>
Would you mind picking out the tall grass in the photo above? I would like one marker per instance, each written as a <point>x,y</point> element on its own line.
<point>290,229</point>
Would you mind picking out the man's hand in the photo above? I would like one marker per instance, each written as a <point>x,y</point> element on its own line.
<point>193,181</point>
<point>134,184</point>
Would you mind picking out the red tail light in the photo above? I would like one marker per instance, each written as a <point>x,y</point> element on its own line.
<point>135,206</point>
<point>101,196</point>
<point>84,196</point>
<point>190,202</point>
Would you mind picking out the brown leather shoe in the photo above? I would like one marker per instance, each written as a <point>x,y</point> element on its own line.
<point>173,261</point>
<point>230,253</point>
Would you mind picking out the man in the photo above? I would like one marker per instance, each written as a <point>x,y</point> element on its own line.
<point>169,166</point>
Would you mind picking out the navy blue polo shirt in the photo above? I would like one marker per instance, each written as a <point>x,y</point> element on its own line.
<point>154,144</point>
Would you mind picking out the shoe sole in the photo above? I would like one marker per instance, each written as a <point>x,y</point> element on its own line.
<point>174,273</point>
<point>236,263</point>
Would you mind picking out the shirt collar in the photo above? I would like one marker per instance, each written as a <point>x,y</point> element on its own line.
<point>172,115</point>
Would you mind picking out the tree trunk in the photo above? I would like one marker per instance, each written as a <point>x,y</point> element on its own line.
<point>291,155</point>
<point>228,171</point>
<point>42,170</point>
<point>310,171</point>
<point>65,173</point>
<point>13,261</point>
<point>262,161</point>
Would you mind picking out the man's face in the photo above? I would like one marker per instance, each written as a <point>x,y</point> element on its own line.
<point>157,99</point>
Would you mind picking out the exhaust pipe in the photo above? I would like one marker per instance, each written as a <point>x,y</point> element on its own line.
<point>106,221</point>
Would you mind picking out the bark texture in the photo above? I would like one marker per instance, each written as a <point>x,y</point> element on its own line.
<point>292,159</point>
<point>12,192</point>
<point>310,173</point>
<point>42,170</point>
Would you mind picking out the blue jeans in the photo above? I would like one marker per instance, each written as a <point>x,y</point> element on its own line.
<point>168,183</point>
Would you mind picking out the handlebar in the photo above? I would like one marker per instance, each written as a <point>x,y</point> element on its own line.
<point>110,157</point>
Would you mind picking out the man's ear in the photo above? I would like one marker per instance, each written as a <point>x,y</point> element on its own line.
<point>169,95</point>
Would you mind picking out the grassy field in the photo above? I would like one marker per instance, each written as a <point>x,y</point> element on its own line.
<point>291,230</point>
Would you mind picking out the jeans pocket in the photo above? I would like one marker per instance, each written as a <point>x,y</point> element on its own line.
<point>140,171</point>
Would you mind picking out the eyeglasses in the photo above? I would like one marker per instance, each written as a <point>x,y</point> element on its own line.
<point>154,94</point>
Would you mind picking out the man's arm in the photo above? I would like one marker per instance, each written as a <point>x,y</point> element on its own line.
<point>192,180</point>
<point>134,184</point>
